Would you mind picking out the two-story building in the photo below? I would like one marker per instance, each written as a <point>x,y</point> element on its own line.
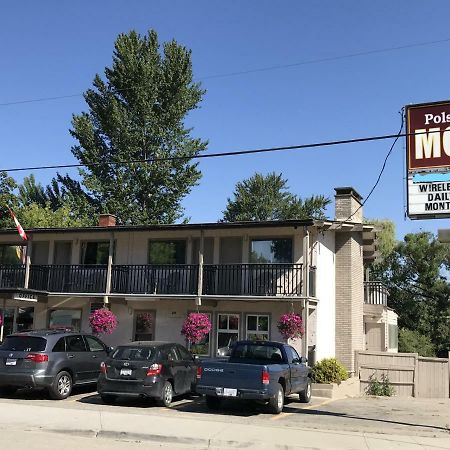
<point>244,275</point>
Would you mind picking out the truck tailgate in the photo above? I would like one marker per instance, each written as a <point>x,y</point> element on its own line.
<point>232,375</point>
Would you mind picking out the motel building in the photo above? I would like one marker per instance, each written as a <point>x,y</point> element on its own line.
<point>244,275</point>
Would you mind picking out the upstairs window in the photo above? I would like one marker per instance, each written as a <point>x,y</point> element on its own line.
<point>94,252</point>
<point>167,252</point>
<point>12,254</point>
<point>268,251</point>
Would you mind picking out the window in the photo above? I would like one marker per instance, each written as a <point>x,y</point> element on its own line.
<point>167,252</point>
<point>185,355</point>
<point>227,330</point>
<point>94,252</point>
<point>24,318</point>
<point>172,355</point>
<point>65,318</point>
<point>393,335</point>
<point>262,353</point>
<point>203,347</point>
<point>257,327</point>
<point>94,345</point>
<point>60,346</point>
<point>23,344</point>
<point>12,254</point>
<point>292,355</point>
<point>134,353</point>
<point>75,344</point>
<point>144,326</point>
<point>271,251</point>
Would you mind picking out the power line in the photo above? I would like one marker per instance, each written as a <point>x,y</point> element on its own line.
<point>382,167</point>
<point>257,70</point>
<point>218,154</point>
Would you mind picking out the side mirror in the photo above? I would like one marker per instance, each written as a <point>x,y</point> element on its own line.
<point>303,360</point>
<point>109,350</point>
<point>196,359</point>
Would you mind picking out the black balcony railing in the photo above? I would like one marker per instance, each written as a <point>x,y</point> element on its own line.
<point>68,278</point>
<point>155,279</point>
<point>252,279</point>
<point>165,279</point>
<point>375,293</point>
<point>12,275</point>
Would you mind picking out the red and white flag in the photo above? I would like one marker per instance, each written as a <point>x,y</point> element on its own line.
<point>18,226</point>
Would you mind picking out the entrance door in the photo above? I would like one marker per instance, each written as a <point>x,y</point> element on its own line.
<point>17,319</point>
<point>374,336</point>
<point>144,326</point>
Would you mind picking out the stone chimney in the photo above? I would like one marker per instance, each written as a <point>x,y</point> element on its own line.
<point>107,220</point>
<point>347,202</point>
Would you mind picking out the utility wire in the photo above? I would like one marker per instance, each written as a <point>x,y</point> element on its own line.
<point>402,114</point>
<point>257,70</point>
<point>220,154</point>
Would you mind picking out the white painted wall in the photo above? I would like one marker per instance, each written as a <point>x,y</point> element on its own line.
<point>323,257</point>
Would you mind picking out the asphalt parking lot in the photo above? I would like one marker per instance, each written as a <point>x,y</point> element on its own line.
<point>409,416</point>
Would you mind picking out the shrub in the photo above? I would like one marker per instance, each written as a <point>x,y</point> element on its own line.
<point>410,341</point>
<point>380,388</point>
<point>329,370</point>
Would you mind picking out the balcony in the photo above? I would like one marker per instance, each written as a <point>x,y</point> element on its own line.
<point>268,280</point>
<point>375,293</point>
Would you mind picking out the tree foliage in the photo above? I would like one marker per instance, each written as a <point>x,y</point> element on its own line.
<point>266,197</point>
<point>138,113</point>
<point>415,273</point>
<point>410,341</point>
<point>386,242</point>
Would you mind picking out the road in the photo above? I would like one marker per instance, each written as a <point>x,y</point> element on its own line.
<point>31,421</point>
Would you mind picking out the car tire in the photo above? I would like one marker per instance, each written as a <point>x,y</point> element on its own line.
<point>276,403</point>
<point>213,402</point>
<point>7,390</point>
<point>305,395</point>
<point>62,386</point>
<point>108,399</point>
<point>166,395</point>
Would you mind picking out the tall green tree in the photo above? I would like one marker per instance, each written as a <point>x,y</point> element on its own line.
<point>266,197</point>
<point>415,273</point>
<point>7,198</point>
<point>138,112</point>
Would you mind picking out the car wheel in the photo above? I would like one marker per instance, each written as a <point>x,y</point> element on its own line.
<point>213,402</point>
<point>166,395</point>
<point>62,386</point>
<point>305,395</point>
<point>108,399</point>
<point>276,403</point>
<point>8,390</point>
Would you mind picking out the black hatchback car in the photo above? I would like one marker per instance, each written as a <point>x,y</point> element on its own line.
<point>158,370</point>
<point>51,359</point>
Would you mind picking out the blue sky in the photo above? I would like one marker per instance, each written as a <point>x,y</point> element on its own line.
<point>53,48</point>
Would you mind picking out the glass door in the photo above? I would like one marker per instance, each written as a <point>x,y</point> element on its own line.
<point>144,326</point>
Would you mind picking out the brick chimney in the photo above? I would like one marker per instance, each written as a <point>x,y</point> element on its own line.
<point>107,220</point>
<point>347,202</point>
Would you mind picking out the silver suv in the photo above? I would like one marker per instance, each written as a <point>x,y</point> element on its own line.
<point>51,359</point>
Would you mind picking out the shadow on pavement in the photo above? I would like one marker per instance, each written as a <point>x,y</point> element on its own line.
<point>317,412</point>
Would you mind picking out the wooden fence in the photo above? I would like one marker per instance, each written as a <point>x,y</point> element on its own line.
<point>410,374</point>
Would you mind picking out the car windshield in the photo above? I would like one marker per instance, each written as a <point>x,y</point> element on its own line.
<point>23,344</point>
<point>264,353</point>
<point>134,353</point>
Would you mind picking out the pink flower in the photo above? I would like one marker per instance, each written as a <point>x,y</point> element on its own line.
<point>103,321</point>
<point>291,326</point>
<point>196,327</point>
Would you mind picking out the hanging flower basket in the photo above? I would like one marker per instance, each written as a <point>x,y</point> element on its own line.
<point>103,321</point>
<point>196,327</point>
<point>291,326</point>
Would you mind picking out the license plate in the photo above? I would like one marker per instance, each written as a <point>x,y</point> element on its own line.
<point>11,362</point>
<point>125,371</point>
<point>229,392</point>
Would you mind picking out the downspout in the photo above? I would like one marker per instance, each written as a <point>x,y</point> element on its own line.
<point>198,300</point>
<point>305,291</point>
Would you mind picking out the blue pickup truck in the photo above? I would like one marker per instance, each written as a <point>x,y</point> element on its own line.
<point>262,370</point>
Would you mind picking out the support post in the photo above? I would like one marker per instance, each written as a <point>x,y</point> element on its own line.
<point>3,320</point>
<point>28,250</point>
<point>109,271</point>
<point>305,291</point>
<point>201,250</point>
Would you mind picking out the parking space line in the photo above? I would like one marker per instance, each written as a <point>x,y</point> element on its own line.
<point>283,415</point>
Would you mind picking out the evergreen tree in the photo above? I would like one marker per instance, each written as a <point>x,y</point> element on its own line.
<point>138,113</point>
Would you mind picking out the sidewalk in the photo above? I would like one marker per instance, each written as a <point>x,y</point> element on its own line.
<point>196,433</point>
